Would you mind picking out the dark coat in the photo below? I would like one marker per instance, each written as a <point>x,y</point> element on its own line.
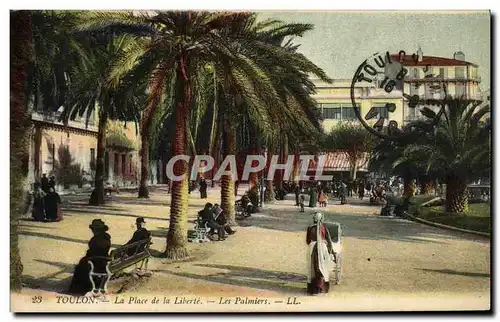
<point>52,200</point>
<point>206,215</point>
<point>99,245</point>
<point>45,184</point>
<point>139,234</point>
<point>203,189</point>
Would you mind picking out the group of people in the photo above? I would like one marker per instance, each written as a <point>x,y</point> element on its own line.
<point>98,252</point>
<point>213,217</point>
<point>46,201</point>
<point>318,193</point>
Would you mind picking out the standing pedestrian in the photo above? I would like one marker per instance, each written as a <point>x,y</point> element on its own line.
<point>52,201</point>
<point>203,188</point>
<point>52,182</point>
<point>45,183</point>
<point>313,197</point>
<point>38,212</point>
<point>361,189</point>
<point>302,201</point>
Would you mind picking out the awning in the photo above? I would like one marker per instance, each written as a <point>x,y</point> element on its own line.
<point>338,161</point>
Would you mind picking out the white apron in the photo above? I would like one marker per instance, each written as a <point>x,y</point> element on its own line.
<point>324,260</point>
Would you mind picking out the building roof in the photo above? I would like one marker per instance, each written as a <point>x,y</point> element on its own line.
<point>338,161</point>
<point>432,61</point>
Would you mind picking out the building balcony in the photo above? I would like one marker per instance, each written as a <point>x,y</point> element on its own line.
<point>411,79</point>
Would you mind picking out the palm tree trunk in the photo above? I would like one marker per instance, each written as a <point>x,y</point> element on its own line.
<point>36,155</point>
<point>20,44</point>
<point>97,196</point>
<point>296,168</point>
<point>253,177</point>
<point>407,186</point>
<point>177,231</point>
<point>456,194</point>
<point>426,185</point>
<point>354,170</point>
<point>269,196</point>
<point>143,188</point>
<point>281,160</point>
<point>227,183</point>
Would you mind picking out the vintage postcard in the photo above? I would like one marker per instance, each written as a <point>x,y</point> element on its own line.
<point>269,161</point>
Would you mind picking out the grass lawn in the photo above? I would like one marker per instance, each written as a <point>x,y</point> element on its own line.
<point>477,217</point>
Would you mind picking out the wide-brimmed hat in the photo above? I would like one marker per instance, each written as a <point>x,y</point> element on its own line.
<point>98,224</point>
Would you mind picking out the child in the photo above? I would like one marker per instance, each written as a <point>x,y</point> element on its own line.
<point>302,200</point>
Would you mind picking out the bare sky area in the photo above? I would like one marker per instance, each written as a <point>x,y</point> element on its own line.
<point>341,41</point>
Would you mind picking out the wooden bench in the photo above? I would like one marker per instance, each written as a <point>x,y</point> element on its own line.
<point>108,190</point>
<point>119,259</point>
<point>128,255</point>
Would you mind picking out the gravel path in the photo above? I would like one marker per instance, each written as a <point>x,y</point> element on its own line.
<point>384,258</point>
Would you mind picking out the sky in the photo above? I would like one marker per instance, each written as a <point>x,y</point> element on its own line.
<point>341,41</point>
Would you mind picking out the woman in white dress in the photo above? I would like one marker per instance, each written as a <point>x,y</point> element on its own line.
<point>319,262</point>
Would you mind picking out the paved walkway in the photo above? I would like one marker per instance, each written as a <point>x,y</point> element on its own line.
<point>384,258</point>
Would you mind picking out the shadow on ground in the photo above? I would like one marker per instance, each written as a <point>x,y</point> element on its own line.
<point>287,283</point>
<point>453,272</point>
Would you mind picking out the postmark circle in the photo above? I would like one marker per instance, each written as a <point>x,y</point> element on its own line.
<point>388,73</point>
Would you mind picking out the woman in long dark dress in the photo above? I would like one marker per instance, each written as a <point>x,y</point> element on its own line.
<point>38,212</point>
<point>203,189</point>
<point>318,256</point>
<point>361,190</point>
<point>99,246</point>
<point>313,197</point>
<point>52,201</point>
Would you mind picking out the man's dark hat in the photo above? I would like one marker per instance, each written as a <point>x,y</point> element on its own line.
<point>98,224</point>
<point>140,220</point>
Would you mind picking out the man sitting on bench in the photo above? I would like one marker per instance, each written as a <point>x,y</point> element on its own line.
<point>140,234</point>
<point>221,219</point>
<point>207,216</point>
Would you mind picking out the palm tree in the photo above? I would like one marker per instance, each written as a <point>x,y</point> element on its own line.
<point>286,98</point>
<point>92,92</point>
<point>20,44</point>
<point>40,55</point>
<point>180,44</point>
<point>459,148</point>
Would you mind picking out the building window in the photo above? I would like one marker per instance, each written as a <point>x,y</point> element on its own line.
<point>124,164</point>
<point>331,111</point>
<point>130,164</point>
<point>459,90</point>
<point>441,72</point>
<point>382,110</point>
<point>413,89</point>
<point>416,73</point>
<point>92,156</point>
<point>427,89</point>
<point>348,112</point>
<point>459,72</point>
<point>412,113</point>
<point>115,162</point>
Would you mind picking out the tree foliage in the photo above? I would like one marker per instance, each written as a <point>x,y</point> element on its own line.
<point>351,139</point>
